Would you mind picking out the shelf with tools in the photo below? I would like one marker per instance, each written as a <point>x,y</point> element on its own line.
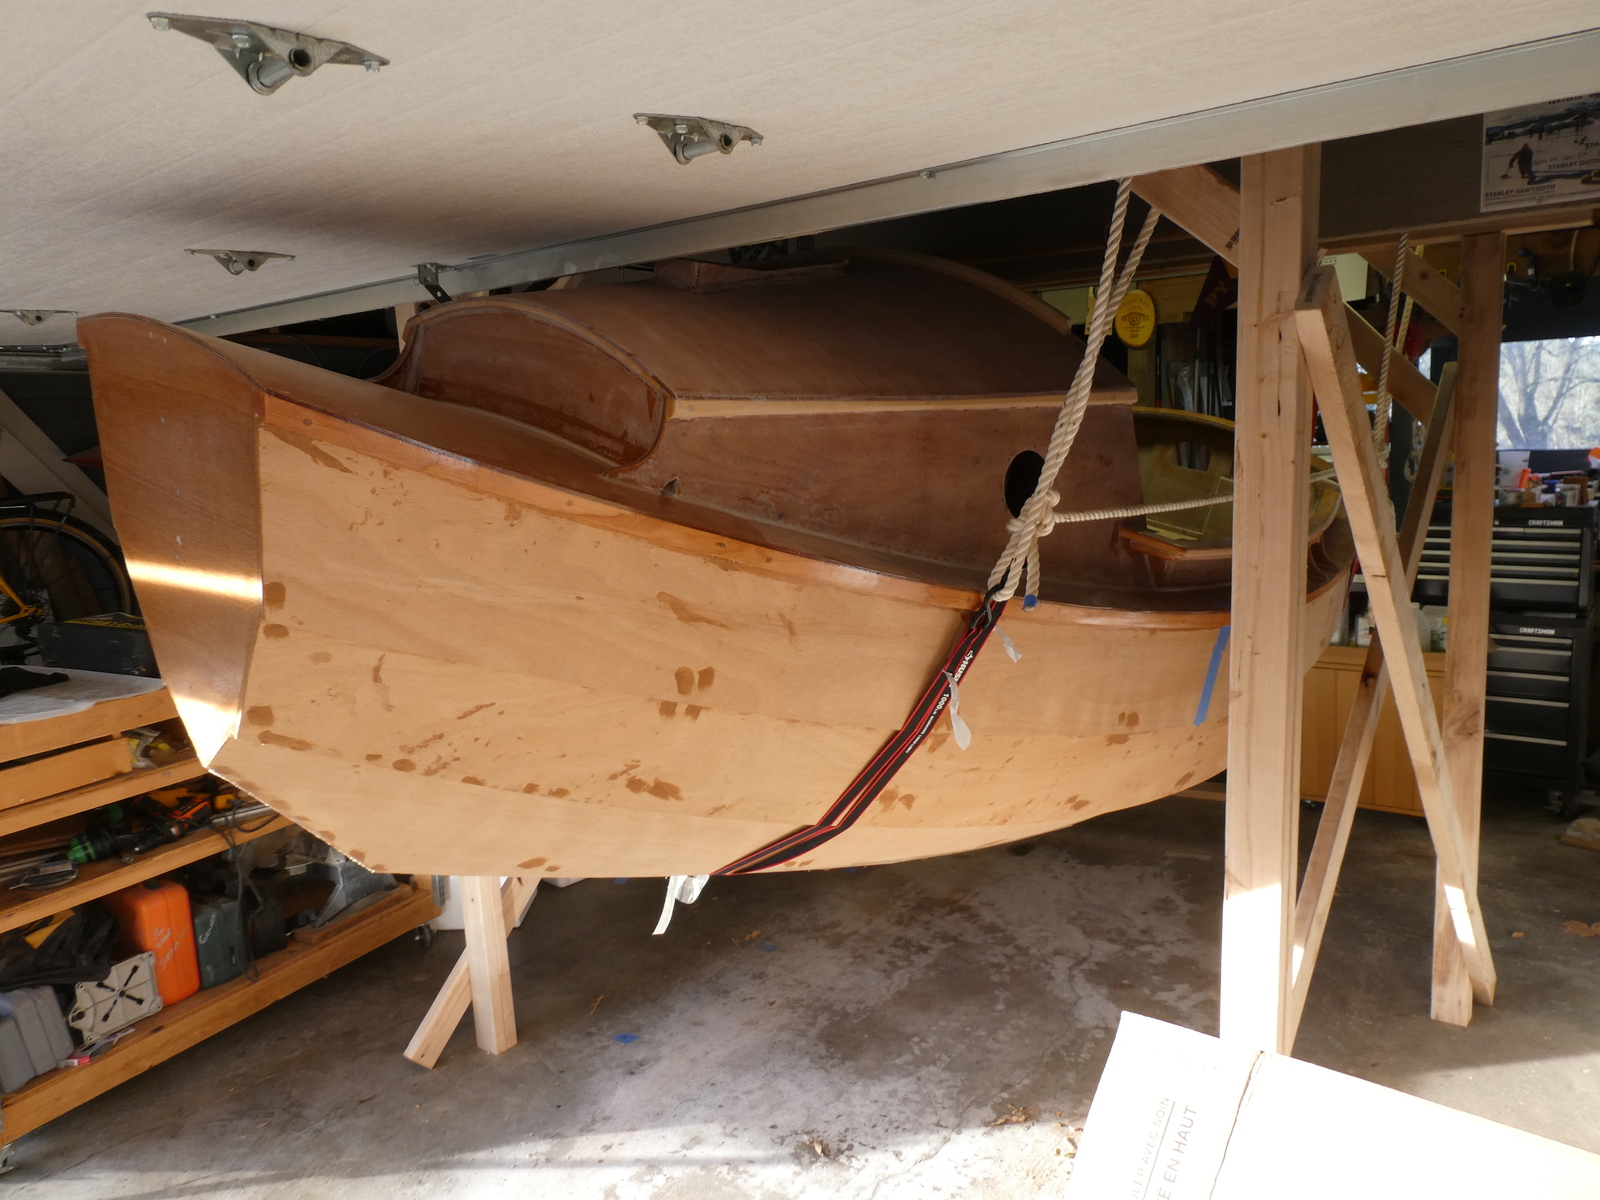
<point>190,1021</point>
<point>102,878</point>
<point>93,795</point>
<point>59,761</point>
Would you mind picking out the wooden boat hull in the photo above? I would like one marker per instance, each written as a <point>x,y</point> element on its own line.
<point>440,666</point>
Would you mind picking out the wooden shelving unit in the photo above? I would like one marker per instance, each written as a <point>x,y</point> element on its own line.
<point>94,795</point>
<point>51,751</point>
<point>158,1038</point>
<point>103,878</point>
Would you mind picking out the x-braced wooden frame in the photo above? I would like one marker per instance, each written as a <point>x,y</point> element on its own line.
<point>1335,339</point>
<point>1355,748</point>
<point>1325,342</point>
<point>482,975</point>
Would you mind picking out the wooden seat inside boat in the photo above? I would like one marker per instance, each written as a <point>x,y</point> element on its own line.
<point>1182,456</point>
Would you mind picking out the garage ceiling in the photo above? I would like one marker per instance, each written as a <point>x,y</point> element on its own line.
<point>504,126</point>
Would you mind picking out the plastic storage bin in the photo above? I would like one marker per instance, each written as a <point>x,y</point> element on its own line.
<point>154,916</point>
<point>42,1030</point>
<point>219,940</point>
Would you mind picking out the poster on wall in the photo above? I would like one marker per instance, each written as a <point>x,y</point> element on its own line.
<point>1542,154</point>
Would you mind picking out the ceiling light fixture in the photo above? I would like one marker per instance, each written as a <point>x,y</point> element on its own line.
<point>237,262</point>
<point>264,56</point>
<point>38,316</point>
<point>690,137</point>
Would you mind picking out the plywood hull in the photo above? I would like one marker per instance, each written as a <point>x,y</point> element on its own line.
<point>443,666</point>
<point>558,685</point>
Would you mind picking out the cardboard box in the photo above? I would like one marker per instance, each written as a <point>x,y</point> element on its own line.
<point>1179,1115</point>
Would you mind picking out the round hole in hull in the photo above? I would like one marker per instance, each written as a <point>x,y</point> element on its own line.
<point>1022,476</point>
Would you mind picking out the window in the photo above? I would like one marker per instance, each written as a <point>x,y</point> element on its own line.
<point>1550,394</point>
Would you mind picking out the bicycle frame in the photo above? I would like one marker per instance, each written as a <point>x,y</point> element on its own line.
<point>25,612</point>
<point>30,612</point>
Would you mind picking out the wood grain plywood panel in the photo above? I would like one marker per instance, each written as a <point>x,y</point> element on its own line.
<point>178,423</point>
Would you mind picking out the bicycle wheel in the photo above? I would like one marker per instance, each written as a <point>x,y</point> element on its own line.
<point>63,565</point>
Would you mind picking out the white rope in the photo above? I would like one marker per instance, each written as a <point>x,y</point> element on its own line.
<point>1020,559</point>
<point>1147,510</point>
<point>1138,510</point>
<point>1394,335</point>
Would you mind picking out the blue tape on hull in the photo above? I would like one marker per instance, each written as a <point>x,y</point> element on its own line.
<point>1218,655</point>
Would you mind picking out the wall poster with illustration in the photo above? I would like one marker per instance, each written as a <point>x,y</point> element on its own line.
<point>1542,154</point>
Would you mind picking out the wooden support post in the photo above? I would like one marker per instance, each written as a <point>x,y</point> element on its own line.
<point>1355,749</point>
<point>450,1005</point>
<point>488,966</point>
<point>1325,341</point>
<point>1207,206</point>
<point>1471,534</point>
<point>1272,451</point>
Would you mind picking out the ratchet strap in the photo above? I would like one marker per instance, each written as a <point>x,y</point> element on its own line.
<point>875,776</point>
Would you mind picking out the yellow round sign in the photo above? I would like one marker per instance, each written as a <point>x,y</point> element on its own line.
<point>1136,318</point>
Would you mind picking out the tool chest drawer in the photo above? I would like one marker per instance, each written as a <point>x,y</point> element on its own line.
<point>1529,684</point>
<point>1536,707</point>
<point>1530,718</point>
<point>1540,559</point>
<point>1520,754</point>
<point>1531,653</point>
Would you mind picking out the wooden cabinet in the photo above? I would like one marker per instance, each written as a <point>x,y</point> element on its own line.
<point>1330,691</point>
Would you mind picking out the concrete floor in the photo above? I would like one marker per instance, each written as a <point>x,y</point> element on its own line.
<point>930,1029</point>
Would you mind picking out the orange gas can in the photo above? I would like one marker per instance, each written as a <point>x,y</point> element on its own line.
<point>154,916</point>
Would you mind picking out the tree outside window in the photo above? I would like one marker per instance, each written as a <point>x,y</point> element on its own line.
<point>1550,394</point>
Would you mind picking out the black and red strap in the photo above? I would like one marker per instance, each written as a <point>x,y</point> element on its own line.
<point>875,776</point>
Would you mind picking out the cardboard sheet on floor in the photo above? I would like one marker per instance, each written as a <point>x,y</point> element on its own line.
<point>1180,1115</point>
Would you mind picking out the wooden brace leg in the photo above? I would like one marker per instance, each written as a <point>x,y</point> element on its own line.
<point>1471,535</point>
<point>450,1005</point>
<point>1325,342</point>
<point>1350,769</point>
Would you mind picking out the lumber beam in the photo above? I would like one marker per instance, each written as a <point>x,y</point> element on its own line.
<point>1409,386</point>
<point>1207,206</point>
<point>1471,535</point>
<point>1361,727</point>
<point>1325,343</point>
<point>1539,220</point>
<point>1204,203</point>
<point>451,1004</point>
<point>488,965</point>
<point>1266,675</point>
<point>1423,283</point>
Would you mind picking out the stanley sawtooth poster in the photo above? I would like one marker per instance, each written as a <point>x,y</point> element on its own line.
<point>1542,154</point>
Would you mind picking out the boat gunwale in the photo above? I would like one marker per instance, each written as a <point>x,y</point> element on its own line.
<point>362,436</point>
<point>557,501</point>
<point>682,407</point>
